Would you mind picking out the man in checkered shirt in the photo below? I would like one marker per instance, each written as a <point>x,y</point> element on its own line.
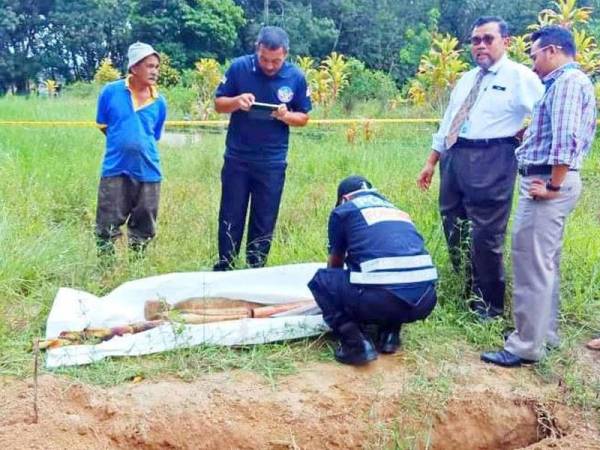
<point>561,133</point>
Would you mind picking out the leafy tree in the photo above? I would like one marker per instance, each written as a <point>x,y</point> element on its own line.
<point>83,33</point>
<point>457,16</point>
<point>22,32</point>
<point>417,43</point>
<point>188,29</point>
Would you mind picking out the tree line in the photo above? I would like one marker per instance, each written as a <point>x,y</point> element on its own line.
<point>68,39</point>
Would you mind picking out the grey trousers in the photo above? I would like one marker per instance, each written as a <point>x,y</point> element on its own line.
<point>536,250</point>
<point>124,200</point>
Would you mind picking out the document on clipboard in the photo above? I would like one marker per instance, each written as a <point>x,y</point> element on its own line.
<point>262,111</point>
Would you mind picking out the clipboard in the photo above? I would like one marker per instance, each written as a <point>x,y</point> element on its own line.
<point>262,111</point>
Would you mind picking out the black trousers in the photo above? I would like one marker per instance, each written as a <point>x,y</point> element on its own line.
<point>124,200</point>
<point>259,184</point>
<point>476,193</point>
<point>342,302</point>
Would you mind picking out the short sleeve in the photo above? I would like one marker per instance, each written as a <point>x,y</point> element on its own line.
<point>531,90</point>
<point>102,109</point>
<point>301,101</point>
<point>228,86</point>
<point>160,122</point>
<point>337,240</point>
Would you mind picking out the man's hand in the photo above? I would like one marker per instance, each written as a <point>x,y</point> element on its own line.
<point>245,101</point>
<point>280,112</point>
<point>538,191</point>
<point>425,177</point>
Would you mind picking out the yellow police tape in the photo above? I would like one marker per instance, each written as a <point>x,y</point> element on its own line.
<point>194,123</point>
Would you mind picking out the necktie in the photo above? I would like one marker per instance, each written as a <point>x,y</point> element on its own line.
<point>464,110</point>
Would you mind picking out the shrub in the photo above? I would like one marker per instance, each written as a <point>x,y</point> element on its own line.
<point>169,76</point>
<point>208,76</point>
<point>336,66</point>
<point>519,49</point>
<point>365,84</point>
<point>568,15</point>
<point>181,100</point>
<point>438,72</point>
<point>106,72</point>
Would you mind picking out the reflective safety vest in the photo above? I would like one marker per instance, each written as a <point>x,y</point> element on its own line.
<point>383,247</point>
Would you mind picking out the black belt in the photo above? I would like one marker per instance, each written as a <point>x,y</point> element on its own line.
<point>539,169</point>
<point>462,142</point>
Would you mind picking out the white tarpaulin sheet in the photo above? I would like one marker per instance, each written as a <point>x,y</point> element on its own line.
<point>75,310</point>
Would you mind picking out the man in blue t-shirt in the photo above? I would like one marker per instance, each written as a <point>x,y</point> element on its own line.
<point>265,95</point>
<point>389,279</point>
<point>131,114</point>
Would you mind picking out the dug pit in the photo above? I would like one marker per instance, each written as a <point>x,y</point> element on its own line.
<point>324,406</point>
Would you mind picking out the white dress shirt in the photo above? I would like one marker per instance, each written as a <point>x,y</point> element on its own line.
<point>507,95</point>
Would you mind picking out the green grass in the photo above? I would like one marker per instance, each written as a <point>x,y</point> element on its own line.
<point>47,207</point>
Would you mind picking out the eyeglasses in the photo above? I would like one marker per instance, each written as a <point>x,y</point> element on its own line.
<point>487,39</point>
<point>533,55</point>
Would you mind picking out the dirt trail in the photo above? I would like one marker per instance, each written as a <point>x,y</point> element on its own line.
<point>324,406</point>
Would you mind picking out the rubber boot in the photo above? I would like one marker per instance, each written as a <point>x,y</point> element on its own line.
<point>388,340</point>
<point>354,349</point>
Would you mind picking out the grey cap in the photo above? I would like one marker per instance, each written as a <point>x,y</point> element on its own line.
<point>139,51</point>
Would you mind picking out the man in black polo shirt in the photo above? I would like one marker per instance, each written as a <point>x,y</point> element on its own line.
<point>257,143</point>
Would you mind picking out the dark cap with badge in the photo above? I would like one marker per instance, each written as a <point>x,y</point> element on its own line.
<point>351,184</point>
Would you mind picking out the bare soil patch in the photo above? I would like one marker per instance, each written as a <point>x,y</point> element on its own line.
<point>324,406</point>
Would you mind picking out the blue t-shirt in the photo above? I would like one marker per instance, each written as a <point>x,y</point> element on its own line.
<point>259,137</point>
<point>131,133</point>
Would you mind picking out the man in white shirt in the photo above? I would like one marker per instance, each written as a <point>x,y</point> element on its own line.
<point>475,145</point>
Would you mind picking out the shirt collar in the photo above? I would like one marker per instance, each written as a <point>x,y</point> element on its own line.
<point>153,89</point>
<point>351,195</point>
<point>496,66</point>
<point>552,76</point>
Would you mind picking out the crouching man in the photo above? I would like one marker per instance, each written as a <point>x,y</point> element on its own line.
<point>389,279</point>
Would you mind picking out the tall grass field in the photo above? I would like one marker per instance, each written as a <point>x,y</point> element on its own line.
<point>48,186</point>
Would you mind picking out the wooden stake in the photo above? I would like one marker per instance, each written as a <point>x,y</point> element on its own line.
<point>36,359</point>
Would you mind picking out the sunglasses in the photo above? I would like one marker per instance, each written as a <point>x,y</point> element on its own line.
<point>487,39</point>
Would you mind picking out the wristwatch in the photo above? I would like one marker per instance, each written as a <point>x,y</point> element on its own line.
<point>551,187</point>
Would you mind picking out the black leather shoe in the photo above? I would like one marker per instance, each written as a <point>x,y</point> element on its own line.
<point>355,353</point>
<point>504,358</point>
<point>222,266</point>
<point>550,347</point>
<point>388,342</point>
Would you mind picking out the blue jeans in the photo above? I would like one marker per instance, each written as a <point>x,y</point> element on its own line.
<point>259,185</point>
<point>343,302</point>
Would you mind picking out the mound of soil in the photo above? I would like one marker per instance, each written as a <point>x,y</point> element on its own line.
<point>325,406</point>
